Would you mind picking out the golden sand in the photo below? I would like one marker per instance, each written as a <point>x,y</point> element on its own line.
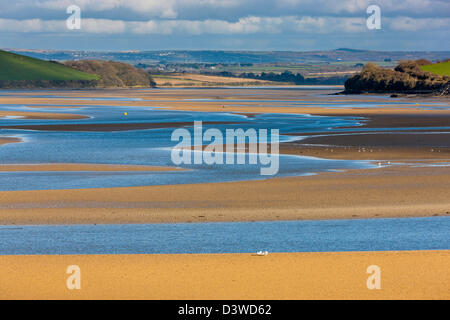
<point>180,99</point>
<point>404,275</point>
<point>386,192</point>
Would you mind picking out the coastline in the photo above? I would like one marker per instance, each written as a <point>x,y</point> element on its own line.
<point>402,190</point>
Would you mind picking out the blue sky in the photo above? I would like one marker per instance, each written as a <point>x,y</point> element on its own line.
<point>225,25</point>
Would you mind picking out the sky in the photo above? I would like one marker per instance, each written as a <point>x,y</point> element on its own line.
<point>297,25</point>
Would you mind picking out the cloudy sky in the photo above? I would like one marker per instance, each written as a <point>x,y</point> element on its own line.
<point>225,24</point>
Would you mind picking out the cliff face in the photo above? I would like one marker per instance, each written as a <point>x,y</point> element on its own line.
<point>113,74</point>
<point>407,77</point>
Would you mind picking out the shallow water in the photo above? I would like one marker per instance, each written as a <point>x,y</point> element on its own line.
<point>236,237</point>
<point>146,147</point>
<point>153,147</point>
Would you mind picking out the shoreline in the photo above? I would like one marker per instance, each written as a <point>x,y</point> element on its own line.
<point>6,140</point>
<point>362,143</point>
<point>395,191</point>
<point>108,127</point>
<point>310,219</point>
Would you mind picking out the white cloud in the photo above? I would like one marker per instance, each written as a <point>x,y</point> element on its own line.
<point>160,8</point>
<point>410,24</point>
<point>196,17</point>
<point>247,25</point>
<point>222,9</point>
<point>31,25</point>
<point>330,25</point>
<point>103,26</point>
<point>58,26</point>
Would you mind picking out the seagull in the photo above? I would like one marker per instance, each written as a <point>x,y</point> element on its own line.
<point>262,253</point>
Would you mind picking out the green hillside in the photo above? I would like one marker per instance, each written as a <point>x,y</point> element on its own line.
<point>407,77</point>
<point>15,67</point>
<point>442,68</point>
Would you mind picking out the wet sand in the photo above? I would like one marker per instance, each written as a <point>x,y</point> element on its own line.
<point>398,191</point>
<point>6,140</point>
<point>405,119</point>
<point>41,115</point>
<point>410,114</point>
<point>415,145</point>
<point>404,275</point>
<point>376,153</point>
<point>215,100</point>
<point>384,144</point>
<point>426,146</point>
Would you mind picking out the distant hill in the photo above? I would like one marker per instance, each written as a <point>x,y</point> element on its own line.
<point>218,56</point>
<point>18,71</point>
<point>407,77</point>
<point>14,67</point>
<point>113,74</point>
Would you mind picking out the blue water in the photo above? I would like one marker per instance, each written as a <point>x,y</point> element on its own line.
<point>237,237</point>
<point>153,147</point>
<point>146,147</point>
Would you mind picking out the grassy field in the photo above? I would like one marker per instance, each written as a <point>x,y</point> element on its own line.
<point>442,68</point>
<point>18,67</point>
<point>307,70</point>
<point>197,80</point>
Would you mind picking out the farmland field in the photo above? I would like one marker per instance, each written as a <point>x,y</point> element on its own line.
<point>442,68</point>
